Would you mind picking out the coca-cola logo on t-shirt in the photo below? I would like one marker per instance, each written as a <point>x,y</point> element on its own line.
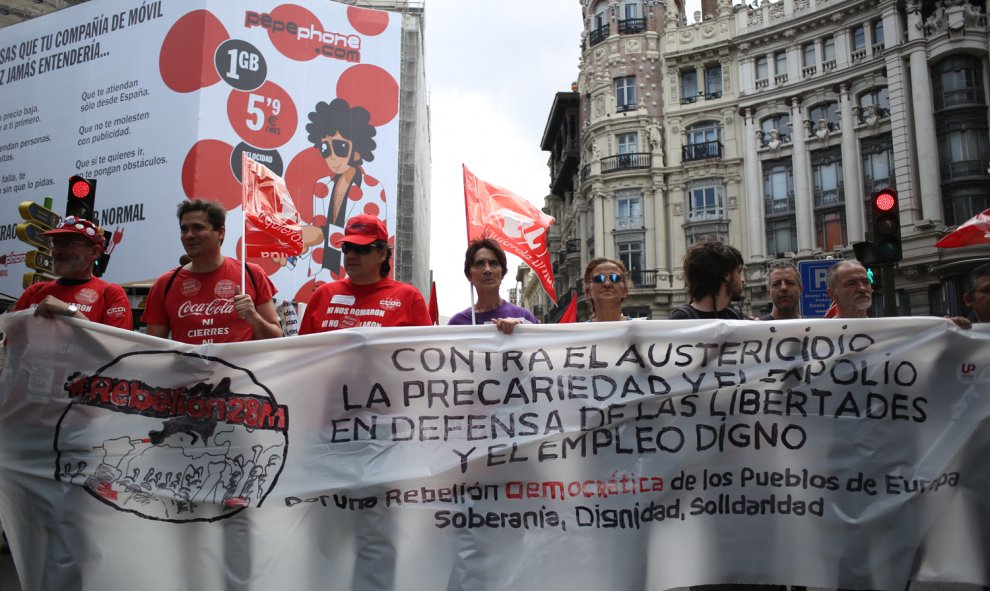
<point>217,307</point>
<point>390,304</point>
<point>87,296</point>
<point>225,288</point>
<point>190,286</point>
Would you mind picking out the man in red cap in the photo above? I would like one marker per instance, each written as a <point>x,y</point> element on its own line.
<point>367,296</point>
<point>76,245</point>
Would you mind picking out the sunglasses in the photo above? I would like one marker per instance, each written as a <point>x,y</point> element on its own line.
<point>339,148</point>
<point>601,277</point>
<point>359,249</point>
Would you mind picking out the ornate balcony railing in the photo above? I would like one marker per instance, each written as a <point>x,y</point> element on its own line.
<point>626,161</point>
<point>596,36</point>
<point>632,25</point>
<point>643,277</point>
<point>701,151</point>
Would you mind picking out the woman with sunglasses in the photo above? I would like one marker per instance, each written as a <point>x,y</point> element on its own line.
<point>606,286</point>
<point>484,267</point>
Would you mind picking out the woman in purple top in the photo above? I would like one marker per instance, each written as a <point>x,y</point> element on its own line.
<point>484,267</point>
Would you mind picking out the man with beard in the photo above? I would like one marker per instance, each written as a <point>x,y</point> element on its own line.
<point>849,287</point>
<point>76,245</point>
<point>713,273</point>
<point>784,285</point>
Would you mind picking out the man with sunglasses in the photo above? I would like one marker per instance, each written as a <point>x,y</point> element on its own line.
<point>76,245</point>
<point>344,137</point>
<point>367,296</point>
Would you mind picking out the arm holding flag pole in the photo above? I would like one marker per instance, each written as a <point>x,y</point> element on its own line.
<point>270,229</point>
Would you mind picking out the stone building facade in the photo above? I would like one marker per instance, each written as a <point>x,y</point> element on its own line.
<point>770,126</point>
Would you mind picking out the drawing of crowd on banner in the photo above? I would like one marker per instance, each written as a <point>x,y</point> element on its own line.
<point>329,181</point>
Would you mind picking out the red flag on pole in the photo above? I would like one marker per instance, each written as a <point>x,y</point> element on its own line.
<point>271,222</point>
<point>434,307</point>
<point>975,231</point>
<point>516,224</point>
<point>570,314</point>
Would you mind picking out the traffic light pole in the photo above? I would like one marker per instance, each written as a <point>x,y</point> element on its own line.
<point>889,293</point>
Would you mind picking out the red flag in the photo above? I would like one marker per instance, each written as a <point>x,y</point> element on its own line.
<point>516,224</point>
<point>975,231</point>
<point>570,314</point>
<point>271,222</point>
<point>434,308</point>
<point>832,311</point>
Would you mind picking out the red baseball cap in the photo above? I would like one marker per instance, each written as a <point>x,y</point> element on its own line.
<point>364,229</point>
<point>79,227</point>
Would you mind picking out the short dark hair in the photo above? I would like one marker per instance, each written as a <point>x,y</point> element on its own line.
<point>705,266</point>
<point>974,275</point>
<point>352,123</point>
<point>783,266</point>
<point>386,266</point>
<point>475,246</point>
<point>833,271</point>
<point>215,213</point>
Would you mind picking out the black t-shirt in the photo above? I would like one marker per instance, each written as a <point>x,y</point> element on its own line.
<point>689,312</point>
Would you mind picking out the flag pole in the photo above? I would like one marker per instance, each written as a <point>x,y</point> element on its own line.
<point>243,249</point>
<point>467,227</point>
<point>244,179</point>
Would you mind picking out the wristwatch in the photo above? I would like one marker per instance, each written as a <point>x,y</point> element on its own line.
<point>71,310</point>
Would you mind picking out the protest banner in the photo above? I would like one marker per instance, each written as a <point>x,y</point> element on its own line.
<point>160,100</point>
<point>626,455</point>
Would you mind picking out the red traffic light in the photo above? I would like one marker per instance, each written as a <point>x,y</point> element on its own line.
<point>80,188</point>
<point>885,201</point>
<point>80,201</point>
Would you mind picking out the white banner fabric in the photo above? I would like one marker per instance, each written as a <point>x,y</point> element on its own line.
<point>630,455</point>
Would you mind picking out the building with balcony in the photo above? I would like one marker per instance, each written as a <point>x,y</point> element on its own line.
<point>842,99</point>
<point>770,126</point>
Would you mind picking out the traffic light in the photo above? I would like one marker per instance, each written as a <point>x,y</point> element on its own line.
<point>887,226</point>
<point>81,200</point>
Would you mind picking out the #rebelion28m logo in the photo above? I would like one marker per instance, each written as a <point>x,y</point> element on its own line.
<point>172,436</point>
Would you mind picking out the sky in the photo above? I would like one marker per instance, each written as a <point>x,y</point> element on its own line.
<point>492,68</point>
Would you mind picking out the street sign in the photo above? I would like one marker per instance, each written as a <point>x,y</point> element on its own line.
<point>41,216</point>
<point>40,261</point>
<point>30,233</point>
<point>32,278</point>
<point>814,294</point>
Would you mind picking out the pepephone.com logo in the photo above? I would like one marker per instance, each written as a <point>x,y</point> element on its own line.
<point>342,46</point>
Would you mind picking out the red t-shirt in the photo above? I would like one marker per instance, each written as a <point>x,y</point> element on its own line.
<point>199,307</point>
<point>100,301</point>
<point>342,304</point>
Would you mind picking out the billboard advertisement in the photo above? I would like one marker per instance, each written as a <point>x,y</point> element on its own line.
<point>159,101</point>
